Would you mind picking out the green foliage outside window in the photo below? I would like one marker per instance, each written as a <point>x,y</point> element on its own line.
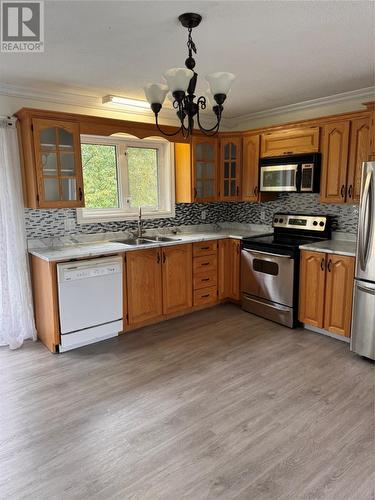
<point>143,178</point>
<point>100,175</point>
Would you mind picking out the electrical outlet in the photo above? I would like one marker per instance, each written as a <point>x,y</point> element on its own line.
<point>204,214</point>
<point>263,215</point>
<point>69,224</point>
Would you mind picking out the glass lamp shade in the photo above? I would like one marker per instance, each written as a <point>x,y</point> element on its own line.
<point>220,83</point>
<point>178,79</point>
<point>155,93</point>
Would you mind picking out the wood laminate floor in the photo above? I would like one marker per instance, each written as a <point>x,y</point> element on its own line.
<point>219,404</point>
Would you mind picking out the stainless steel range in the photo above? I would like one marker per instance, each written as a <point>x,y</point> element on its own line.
<point>270,266</point>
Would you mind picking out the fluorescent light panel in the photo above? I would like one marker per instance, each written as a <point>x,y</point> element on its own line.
<point>125,101</point>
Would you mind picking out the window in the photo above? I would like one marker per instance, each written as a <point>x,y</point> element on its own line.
<point>121,174</point>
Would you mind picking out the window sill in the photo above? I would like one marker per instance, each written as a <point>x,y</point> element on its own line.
<point>100,216</point>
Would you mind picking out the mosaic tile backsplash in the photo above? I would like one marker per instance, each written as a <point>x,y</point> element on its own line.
<point>50,223</point>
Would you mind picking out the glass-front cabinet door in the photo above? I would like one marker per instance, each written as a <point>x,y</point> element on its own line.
<point>230,168</point>
<point>58,163</point>
<point>204,168</point>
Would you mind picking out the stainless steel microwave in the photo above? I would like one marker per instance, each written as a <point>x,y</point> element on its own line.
<point>297,173</point>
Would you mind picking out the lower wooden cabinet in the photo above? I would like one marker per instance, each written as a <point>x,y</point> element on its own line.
<point>326,288</point>
<point>144,286</point>
<point>159,282</point>
<point>177,278</point>
<point>229,259</point>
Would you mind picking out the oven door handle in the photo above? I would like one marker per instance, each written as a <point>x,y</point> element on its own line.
<point>266,254</point>
<point>275,306</point>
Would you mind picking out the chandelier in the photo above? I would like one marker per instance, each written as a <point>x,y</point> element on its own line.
<point>181,83</point>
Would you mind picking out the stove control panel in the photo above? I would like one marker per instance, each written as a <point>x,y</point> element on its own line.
<point>304,222</point>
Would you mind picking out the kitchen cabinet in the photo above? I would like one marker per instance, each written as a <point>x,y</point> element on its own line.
<point>250,171</point>
<point>205,273</point>
<point>196,169</point>
<point>51,163</point>
<point>358,153</point>
<point>159,282</point>
<point>144,286</point>
<point>229,257</point>
<point>326,288</point>
<point>290,141</point>
<point>177,276</point>
<point>335,151</point>
<point>230,168</point>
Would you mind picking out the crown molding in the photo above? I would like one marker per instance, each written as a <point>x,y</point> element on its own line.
<point>168,116</point>
<point>365,93</point>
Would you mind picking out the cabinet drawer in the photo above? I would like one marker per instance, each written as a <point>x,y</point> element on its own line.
<point>205,296</point>
<point>204,280</point>
<point>204,248</point>
<point>204,264</point>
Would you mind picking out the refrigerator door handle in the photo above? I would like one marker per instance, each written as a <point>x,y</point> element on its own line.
<point>364,232</point>
<point>366,288</point>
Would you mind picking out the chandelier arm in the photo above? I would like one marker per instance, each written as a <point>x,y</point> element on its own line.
<point>213,129</point>
<point>163,132</point>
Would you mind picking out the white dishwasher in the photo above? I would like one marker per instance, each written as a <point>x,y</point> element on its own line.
<point>90,301</point>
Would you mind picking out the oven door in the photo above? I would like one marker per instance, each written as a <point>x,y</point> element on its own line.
<point>280,178</point>
<point>267,276</point>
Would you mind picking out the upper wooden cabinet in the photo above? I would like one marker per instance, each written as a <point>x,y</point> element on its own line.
<point>196,167</point>
<point>230,168</point>
<point>250,167</point>
<point>326,289</point>
<point>290,142</point>
<point>335,149</point>
<point>51,160</point>
<point>358,153</point>
<point>345,146</point>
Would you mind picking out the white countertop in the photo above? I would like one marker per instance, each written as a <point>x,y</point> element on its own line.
<point>95,249</point>
<point>340,247</point>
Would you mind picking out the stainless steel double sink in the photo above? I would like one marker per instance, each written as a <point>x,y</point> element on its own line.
<point>146,241</point>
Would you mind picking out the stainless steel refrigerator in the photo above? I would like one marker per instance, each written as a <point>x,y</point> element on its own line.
<point>363,322</point>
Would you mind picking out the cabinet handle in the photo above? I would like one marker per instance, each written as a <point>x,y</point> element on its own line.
<point>195,192</point>
<point>256,191</point>
<point>288,153</point>
<point>164,257</point>
<point>205,248</point>
<point>329,267</point>
<point>80,194</point>
<point>158,257</point>
<point>237,190</point>
<point>350,191</point>
<point>205,263</point>
<point>343,191</point>
<point>322,262</point>
<point>238,247</point>
<point>205,279</point>
<point>207,295</point>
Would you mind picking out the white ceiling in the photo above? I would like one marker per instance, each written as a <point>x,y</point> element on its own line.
<point>282,52</point>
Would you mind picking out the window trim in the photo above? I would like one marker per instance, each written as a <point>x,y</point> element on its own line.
<point>166,181</point>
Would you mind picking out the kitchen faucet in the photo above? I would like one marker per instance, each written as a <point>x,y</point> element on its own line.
<point>140,224</point>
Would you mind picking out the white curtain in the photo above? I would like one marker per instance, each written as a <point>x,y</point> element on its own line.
<point>16,309</point>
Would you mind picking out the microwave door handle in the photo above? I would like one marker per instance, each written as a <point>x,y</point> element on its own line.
<point>298,178</point>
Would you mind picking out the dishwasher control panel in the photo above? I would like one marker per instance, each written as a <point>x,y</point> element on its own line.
<point>88,269</point>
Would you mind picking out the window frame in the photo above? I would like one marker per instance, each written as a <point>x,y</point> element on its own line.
<point>166,181</point>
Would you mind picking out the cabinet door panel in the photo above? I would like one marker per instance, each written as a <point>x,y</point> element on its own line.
<point>144,285</point>
<point>312,285</point>
<point>292,141</point>
<point>229,269</point>
<point>334,162</point>
<point>177,278</point>
<point>358,153</point>
<point>204,166</point>
<point>230,168</point>
<point>339,291</point>
<point>58,166</point>
<point>250,171</point>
